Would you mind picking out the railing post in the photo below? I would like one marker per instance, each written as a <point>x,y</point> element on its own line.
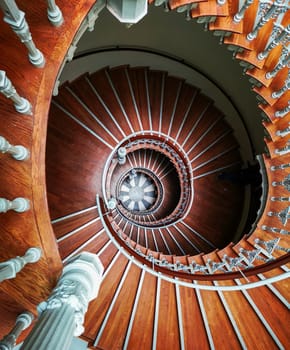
<point>16,19</point>
<point>17,152</point>
<point>8,90</point>
<point>23,321</point>
<point>122,155</point>
<point>20,205</point>
<point>54,14</point>
<point>61,317</point>
<point>10,268</point>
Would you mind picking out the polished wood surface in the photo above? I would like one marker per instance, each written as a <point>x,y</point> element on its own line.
<point>67,194</point>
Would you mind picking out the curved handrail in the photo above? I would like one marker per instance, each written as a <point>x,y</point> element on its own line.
<point>174,276</point>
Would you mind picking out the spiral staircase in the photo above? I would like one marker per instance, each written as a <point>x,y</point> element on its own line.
<point>127,163</point>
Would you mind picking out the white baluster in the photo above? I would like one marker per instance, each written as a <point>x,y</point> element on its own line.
<point>240,15</point>
<point>62,315</point>
<point>20,205</point>
<point>284,88</point>
<point>122,155</point>
<point>23,321</point>
<point>283,150</point>
<point>10,268</point>
<point>283,132</point>
<point>281,166</point>
<point>17,152</point>
<point>16,19</point>
<point>54,14</point>
<point>268,12</point>
<point>8,90</point>
<point>282,37</point>
<point>283,62</point>
<point>283,112</point>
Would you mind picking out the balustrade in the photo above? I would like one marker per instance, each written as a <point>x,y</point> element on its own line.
<point>268,247</point>
<point>282,37</point>
<point>284,88</point>
<point>61,317</point>
<point>16,19</point>
<point>18,152</point>
<point>23,321</point>
<point>54,14</point>
<point>8,90</point>
<point>267,11</point>
<point>283,215</point>
<point>283,62</point>
<point>10,268</point>
<point>20,205</point>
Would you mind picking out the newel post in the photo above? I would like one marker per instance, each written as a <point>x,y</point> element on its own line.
<point>61,317</point>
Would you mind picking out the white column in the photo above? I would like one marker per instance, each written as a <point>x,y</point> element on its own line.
<point>23,321</point>
<point>61,317</point>
<point>9,268</point>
